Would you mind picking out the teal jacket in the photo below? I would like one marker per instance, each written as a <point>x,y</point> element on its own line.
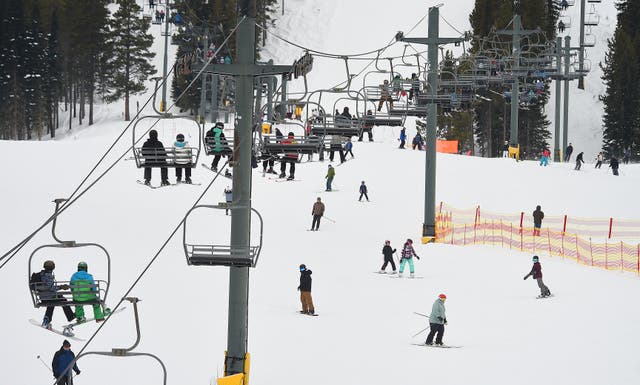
<point>437,313</point>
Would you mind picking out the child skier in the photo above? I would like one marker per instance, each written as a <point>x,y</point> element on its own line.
<point>387,251</point>
<point>363,191</point>
<point>536,272</point>
<point>407,257</point>
<point>403,137</point>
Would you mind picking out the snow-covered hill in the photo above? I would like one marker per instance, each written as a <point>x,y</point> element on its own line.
<point>364,332</point>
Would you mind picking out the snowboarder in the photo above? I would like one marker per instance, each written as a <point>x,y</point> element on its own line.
<point>505,149</point>
<point>579,161</point>
<point>613,163</point>
<point>544,159</point>
<point>363,191</point>
<point>217,144</point>
<point>599,159</point>
<point>437,320</point>
<point>538,216</point>
<point>387,251</point>
<point>228,197</point>
<point>417,142</point>
<point>154,154</point>
<point>331,173</point>
<point>317,211</point>
<point>536,273</point>
<point>47,291</point>
<point>407,257</point>
<point>291,158</point>
<point>60,364</point>
<point>348,147</point>
<point>403,137</point>
<point>305,290</point>
<point>84,289</point>
<point>568,152</point>
<point>182,153</point>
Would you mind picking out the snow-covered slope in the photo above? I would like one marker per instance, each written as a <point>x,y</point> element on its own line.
<point>364,332</point>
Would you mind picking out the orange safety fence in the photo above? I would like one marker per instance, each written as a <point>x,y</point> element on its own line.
<point>469,227</point>
<point>447,146</point>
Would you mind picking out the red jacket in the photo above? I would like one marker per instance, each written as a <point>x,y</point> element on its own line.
<point>546,153</point>
<point>291,155</point>
<point>536,270</point>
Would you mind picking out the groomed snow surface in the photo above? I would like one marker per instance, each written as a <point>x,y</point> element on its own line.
<point>586,334</point>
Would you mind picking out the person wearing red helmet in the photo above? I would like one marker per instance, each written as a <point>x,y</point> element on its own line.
<point>437,320</point>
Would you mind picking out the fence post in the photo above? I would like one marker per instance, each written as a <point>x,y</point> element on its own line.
<point>638,266</point>
<point>610,226</point>
<point>606,254</point>
<point>440,211</point>
<point>475,233</point>
<point>521,219</point>
<point>621,259</point>
<point>465,235</point>
<point>484,233</point>
<point>511,242</point>
<point>453,228</point>
<point>591,250</point>
<point>564,226</point>
<point>577,250</point>
<point>501,235</point>
<point>562,245</point>
<point>549,240</point>
<point>493,236</point>
<point>521,235</point>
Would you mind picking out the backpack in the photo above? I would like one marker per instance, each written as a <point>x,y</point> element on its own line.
<point>35,280</point>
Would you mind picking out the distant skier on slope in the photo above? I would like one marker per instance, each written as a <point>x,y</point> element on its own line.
<point>536,273</point>
<point>305,291</point>
<point>363,191</point>
<point>579,161</point>
<point>538,216</point>
<point>437,320</point>
<point>407,257</point>
<point>387,251</point>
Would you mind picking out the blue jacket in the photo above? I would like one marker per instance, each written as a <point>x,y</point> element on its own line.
<point>61,360</point>
<point>363,188</point>
<point>348,146</point>
<point>47,289</point>
<point>83,286</point>
<point>403,136</point>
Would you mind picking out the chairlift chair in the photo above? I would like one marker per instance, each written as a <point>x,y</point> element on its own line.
<point>101,287</point>
<point>592,19</point>
<point>201,254</point>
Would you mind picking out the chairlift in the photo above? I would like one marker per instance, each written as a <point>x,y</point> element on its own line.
<point>166,156</point>
<point>564,22</point>
<point>592,19</point>
<point>40,294</point>
<point>208,254</point>
<point>594,1</point>
<point>589,40</point>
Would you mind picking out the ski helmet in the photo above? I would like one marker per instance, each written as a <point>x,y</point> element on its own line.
<point>535,258</point>
<point>409,241</point>
<point>219,125</point>
<point>49,265</point>
<point>303,267</point>
<point>82,266</point>
<point>180,138</point>
<point>442,296</point>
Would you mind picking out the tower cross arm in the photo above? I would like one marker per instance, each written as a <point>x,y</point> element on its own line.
<point>427,40</point>
<point>245,69</point>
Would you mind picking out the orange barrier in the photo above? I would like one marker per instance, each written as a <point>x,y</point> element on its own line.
<point>470,228</point>
<point>447,146</point>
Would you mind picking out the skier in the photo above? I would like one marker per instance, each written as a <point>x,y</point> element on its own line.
<point>613,163</point>
<point>437,320</point>
<point>626,155</point>
<point>348,149</point>
<point>538,216</point>
<point>363,191</point>
<point>228,197</point>
<point>60,363</point>
<point>367,127</point>
<point>47,291</point>
<point>568,152</point>
<point>561,26</point>
<point>387,251</point>
<point>291,158</point>
<point>564,4</point>
<point>154,154</point>
<point>336,145</point>
<point>417,142</point>
<point>579,161</point>
<point>217,144</point>
<point>536,273</point>
<point>599,159</point>
<point>415,88</point>
<point>317,211</point>
<point>182,153</point>
<point>268,160</point>
<point>505,149</point>
<point>84,289</point>
<point>305,291</point>
<point>544,159</point>
<point>331,173</point>
<point>407,257</point>
<point>403,137</point>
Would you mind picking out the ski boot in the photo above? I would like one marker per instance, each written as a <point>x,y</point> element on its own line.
<point>178,180</point>
<point>282,175</point>
<point>227,173</point>
<point>165,183</point>
<point>290,177</point>
<point>147,182</point>
<point>46,323</point>
<point>411,275</point>
<point>188,181</point>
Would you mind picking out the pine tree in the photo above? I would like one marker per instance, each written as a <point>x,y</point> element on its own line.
<point>12,48</point>
<point>130,42</point>
<point>34,70</point>
<point>52,78</point>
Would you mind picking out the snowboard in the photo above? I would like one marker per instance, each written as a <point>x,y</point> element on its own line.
<point>230,176</point>
<point>541,297</point>
<point>53,330</point>
<point>438,346</point>
<point>154,187</point>
<point>310,315</point>
<point>69,327</point>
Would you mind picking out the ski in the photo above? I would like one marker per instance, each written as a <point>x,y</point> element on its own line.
<point>438,346</point>
<point>285,180</point>
<point>227,174</point>
<point>332,190</point>
<point>407,277</point>
<point>307,314</point>
<point>60,332</point>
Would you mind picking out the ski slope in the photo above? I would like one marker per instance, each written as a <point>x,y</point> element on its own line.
<point>587,333</point>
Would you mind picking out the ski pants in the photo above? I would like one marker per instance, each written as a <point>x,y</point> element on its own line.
<point>340,151</point>
<point>307,302</point>
<point>615,171</point>
<point>366,196</point>
<point>292,167</point>
<point>578,165</point>
<point>402,143</point>
<point>329,181</point>
<point>544,161</point>
<point>404,261</point>
<point>385,98</point>
<point>66,308</point>
<point>164,173</point>
<point>97,311</point>
<point>315,224</point>
<point>435,328</point>
<point>269,162</point>
<point>544,290</point>
<point>187,172</point>
<point>347,153</point>
<point>505,153</point>
<point>536,230</point>
<point>599,164</point>
<point>388,260</point>
<point>368,131</point>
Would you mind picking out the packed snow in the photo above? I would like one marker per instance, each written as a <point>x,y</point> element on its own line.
<point>586,333</point>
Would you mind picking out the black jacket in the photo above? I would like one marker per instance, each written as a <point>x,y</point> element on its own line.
<point>613,163</point>
<point>305,281</point>
<point>387,251</point>
<point>579,158</point>
<point>153,149</point>
<point>538,215</point>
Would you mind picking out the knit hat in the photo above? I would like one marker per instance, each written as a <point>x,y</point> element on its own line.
<point>535,258</point>
<point>303,267</point>
<point>66,343</point>
<point>153,134</point>
<point>49,265</point>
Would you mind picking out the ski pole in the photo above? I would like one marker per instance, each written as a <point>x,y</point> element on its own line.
<point>424,315</point>
<point>329,219</point>
<point>43,363</point>
<point>421,331</point>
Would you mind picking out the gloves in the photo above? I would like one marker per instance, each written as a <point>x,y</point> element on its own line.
<point>526,276</point>
<point>64,287</point>
<point>298,288</point>
<point>445,321</point>
<point>418,257</point>
<point>78,372</point>
<point>440,319</point>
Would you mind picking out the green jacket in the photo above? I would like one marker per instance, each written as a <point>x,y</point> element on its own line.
<point>83,287</point>
<point>331,173</point>
<point>437,313</point>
